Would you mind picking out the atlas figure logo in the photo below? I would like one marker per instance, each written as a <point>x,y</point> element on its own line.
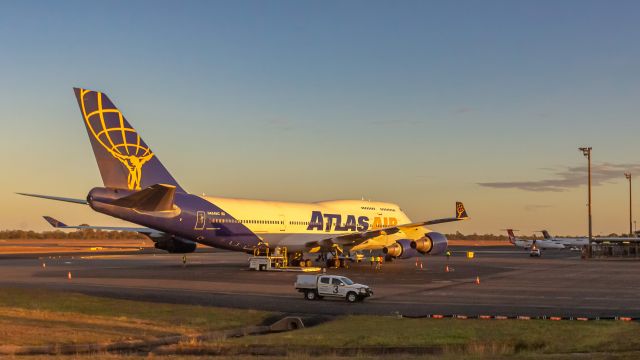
<point>327,222</point>
<point>107,126</point>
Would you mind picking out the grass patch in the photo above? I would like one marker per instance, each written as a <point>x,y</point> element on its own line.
<point>35,317</point>
<point>463,336</point>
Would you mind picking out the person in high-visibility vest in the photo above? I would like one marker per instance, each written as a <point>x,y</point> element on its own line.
<point>448,255</point>
<point>184,260</point>
<point>379,263</point>
<point>373,261</point>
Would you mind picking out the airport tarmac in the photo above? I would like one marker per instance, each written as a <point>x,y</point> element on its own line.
<point>511,283</point>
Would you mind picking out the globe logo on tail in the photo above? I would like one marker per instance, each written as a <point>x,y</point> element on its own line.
<point>109,128</point>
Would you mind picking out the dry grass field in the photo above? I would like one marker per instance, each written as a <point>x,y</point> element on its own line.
<point>38,317</point>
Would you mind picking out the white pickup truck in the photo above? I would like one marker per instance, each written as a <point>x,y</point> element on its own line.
<point>318,286</point>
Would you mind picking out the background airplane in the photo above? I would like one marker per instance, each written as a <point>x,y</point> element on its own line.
<point>576,242</point>
<point>139,189</point>
<point>533,244</point>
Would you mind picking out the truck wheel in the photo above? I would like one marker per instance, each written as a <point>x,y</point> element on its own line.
<point>310,295</point>
<point>309,263</point>
<point>352,297</point>
<point>263,268</point>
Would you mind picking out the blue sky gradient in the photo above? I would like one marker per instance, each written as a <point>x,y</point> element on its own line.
<point>415,102</point>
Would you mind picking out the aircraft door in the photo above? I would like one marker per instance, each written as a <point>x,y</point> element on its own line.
<point>201,218</point>
<point>283,223</point>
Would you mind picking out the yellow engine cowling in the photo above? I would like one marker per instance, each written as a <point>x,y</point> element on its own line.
<point>432,243</point>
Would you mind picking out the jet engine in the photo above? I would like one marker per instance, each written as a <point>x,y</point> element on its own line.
<point>402,249</point>
<point>432,243</point>
<point>175,245</point>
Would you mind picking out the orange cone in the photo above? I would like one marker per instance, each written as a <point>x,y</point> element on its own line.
<point>446,269</point>
<point>420,265</point>
<point>69,275</point>
<point>44,265</point>
<point>477,280</point>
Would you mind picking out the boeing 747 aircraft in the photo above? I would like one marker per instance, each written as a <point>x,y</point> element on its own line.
<point>139,189</point>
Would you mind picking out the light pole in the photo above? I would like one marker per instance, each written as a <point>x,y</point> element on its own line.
<point>628,176</point>
<point>586,151</point>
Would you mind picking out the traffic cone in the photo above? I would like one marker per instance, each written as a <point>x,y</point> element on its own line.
<point>477,280</point>
<point>446,269</point>
<point>44,265</point>
<point>421,265</point>
<point>69,275</point>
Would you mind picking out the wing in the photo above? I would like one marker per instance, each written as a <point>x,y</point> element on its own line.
<point>60,225</point>
<point>355,239</point>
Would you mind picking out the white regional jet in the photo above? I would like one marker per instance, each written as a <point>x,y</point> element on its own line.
<point>578,242</point>
<point>533,244</point>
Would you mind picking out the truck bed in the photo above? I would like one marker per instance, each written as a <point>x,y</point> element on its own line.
<point>306,282</point>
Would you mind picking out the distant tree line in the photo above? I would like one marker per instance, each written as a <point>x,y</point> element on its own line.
<point>79,234</point>
<point>460,236</point>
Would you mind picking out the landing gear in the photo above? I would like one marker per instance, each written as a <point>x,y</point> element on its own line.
<point>305,263</point>
<point>296,259</point>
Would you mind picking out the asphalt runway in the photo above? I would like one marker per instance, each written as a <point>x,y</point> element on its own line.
<point>511,283</point>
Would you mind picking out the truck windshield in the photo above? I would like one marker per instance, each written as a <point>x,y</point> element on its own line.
<point>346,280</point>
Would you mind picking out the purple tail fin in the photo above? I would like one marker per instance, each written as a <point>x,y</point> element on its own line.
<point>124,159</point>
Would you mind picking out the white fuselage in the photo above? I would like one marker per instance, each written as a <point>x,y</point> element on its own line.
<point>540,244</point>
<point>295,225</point>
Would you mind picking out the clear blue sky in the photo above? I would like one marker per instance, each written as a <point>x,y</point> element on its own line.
<point>415,102</point>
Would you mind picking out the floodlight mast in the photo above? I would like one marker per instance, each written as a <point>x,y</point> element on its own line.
<point>628,176</point>
<point>586,151</point>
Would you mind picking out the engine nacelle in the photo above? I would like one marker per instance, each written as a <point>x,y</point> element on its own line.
<point>175,245</point>
<point>401,249</point>
<point>432,243</point>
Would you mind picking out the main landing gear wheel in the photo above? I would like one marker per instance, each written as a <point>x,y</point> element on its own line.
<point>310,295</point>
<point>308,263</point>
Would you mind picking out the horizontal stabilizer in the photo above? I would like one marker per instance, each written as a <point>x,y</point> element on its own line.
<point>57,198</point>
<point>157,197</point>
<point>60,225</point>
<point>55,223</point>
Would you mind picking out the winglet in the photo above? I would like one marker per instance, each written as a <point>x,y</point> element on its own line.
<point>461,213</point>
<point>55,223</point>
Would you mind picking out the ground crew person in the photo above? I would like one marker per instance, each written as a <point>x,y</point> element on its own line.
<point>184,260</point>
<point>448,255</point>
<point>373,260</point>
<point>379,263</point>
